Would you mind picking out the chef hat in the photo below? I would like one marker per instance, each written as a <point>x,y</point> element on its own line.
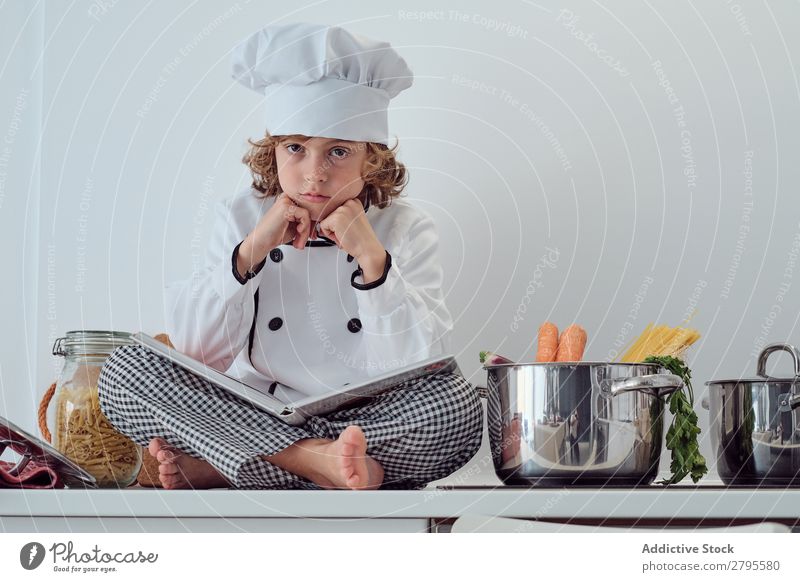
<point>322,81</point>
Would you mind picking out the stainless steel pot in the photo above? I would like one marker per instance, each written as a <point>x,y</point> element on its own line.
<point>587,423</point>
<point>755,425</point>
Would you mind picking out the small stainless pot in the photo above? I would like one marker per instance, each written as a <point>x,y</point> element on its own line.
<point>585,423</point>
<point>755,425</point>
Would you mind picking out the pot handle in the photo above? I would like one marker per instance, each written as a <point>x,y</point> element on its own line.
<point>765,353</point>
<point>19,448</point>
<point>792,401</point>
<point>659,384</point>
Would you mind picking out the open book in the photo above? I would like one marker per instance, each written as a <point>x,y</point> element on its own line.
<point>298,412</point>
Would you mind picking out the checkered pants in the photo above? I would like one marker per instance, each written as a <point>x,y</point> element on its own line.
<point>419,432</point>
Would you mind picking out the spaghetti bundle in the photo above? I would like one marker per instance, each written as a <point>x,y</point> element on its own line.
<point>660,340</point>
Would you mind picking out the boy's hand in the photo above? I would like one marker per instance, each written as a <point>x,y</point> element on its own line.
<point>285,222</point>
<point>349,228</point>
<point>299,227</point>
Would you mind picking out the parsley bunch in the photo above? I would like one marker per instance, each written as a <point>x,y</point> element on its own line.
<point>682,433</point>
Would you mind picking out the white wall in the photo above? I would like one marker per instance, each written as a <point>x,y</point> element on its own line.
<point>23,361</point>
<point>518,135</point>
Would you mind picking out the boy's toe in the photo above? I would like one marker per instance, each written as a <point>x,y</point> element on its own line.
<point>167,469</point>
<point>169,483</point>
<point>155,445</point>
<point>166,455</point>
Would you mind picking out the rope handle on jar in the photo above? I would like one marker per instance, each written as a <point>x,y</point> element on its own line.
<point>42,416</point>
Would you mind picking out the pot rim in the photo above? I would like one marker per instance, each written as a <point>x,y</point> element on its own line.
<point>755,381</point>
<point>571,364</point>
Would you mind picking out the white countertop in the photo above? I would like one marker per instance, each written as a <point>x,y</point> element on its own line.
<point>701,502</point>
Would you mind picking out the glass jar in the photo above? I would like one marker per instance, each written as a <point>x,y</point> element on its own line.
<point>82,432</point>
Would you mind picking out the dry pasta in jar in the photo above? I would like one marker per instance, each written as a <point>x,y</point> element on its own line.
<point>82,432</point>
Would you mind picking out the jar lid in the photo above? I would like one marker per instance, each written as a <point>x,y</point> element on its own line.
<point>90,342</point>
<point>34,449</point>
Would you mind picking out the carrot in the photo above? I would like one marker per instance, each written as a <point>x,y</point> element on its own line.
<point>571,344</point>
<point>548,343</point>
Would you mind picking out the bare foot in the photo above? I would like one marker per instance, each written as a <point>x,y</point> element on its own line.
<point>178,470</point>
<point>345,463</point>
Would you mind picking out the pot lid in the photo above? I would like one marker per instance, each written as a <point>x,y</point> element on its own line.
<point>761,369</point>
<point>755,381</point>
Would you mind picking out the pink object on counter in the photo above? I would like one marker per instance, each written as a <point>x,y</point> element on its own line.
<point>33,475</point>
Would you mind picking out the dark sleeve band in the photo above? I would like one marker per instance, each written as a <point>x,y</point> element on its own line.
<point>249,274</point>
<point>360,273</point>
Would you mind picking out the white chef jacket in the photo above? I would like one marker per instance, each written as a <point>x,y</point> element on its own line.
<point>299,327</point>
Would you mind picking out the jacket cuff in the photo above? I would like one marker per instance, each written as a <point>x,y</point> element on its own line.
<point>388,294</point>
<point>360,273</point>
<point>232,288</point>
<point>249,274</point>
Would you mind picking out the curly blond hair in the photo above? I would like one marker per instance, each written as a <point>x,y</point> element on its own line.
<point>384,176</point>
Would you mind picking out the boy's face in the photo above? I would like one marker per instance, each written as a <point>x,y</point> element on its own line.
<point>328,167</point>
